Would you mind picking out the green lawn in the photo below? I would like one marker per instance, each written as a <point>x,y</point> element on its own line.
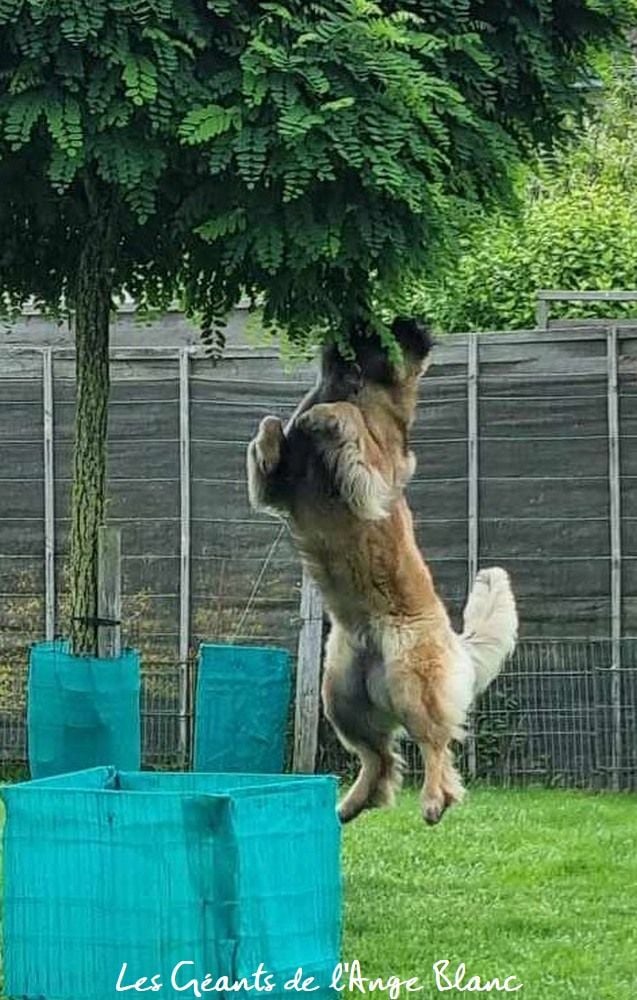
<point>538,884</point>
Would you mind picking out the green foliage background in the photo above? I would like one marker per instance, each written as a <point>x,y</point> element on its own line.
<point>576,228</point>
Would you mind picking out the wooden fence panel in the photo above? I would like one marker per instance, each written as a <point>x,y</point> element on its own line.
<point>512,441</point>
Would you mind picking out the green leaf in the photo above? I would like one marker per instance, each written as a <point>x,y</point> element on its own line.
<point>9,10</point>
<point>340,104</point>
<point>204,123</point>
<point>140,77</point>
<point>21,118</point>
<point>222,225</point>
<point>296,121</point>
<point>63,116</point>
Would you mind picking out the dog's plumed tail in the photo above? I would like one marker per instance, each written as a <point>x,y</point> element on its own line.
<point>490,625</point>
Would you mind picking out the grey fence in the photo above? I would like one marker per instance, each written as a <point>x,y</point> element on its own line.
<point>525,458</point>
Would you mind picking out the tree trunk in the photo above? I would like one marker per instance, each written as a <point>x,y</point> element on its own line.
<point>92,304</point>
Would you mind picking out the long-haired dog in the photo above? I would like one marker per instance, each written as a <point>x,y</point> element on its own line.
<point>338,471</point>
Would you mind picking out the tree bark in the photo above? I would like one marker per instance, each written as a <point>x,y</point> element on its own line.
<point>92,304</point>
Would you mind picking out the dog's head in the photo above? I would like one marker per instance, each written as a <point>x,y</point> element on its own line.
<point>369,363</point>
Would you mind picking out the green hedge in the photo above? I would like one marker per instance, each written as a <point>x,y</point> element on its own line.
<point>576,229</point>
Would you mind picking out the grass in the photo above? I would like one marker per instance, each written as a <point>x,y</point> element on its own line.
<point>538,884</point>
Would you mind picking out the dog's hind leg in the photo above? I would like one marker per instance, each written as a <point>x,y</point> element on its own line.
<point>361,727</point>
<point>417,690</point>
<point>443,786</point>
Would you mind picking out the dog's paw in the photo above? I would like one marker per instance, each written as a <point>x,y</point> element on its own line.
<point>267,444</point>
<point>433,809</point>
<point>347,811</point>
<point>352,805</point>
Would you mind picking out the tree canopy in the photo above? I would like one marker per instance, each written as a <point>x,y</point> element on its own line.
<point>307,154</point>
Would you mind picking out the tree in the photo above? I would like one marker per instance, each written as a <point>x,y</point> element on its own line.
<point>576,229</point>
<point>307,154</point>
<point>91,95</point>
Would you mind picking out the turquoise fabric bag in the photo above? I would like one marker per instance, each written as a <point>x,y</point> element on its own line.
<point>82,711</point>
<point>113,875</point>
<point>241,708</point>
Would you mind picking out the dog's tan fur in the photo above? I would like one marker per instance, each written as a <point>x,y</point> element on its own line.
<point>338,471</point>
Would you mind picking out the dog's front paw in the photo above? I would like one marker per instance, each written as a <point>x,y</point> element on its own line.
<point>267,444</point>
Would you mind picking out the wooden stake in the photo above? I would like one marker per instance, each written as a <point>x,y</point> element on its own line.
<point>109,592</point>
<point>49,494</point>
<point>308,677</point>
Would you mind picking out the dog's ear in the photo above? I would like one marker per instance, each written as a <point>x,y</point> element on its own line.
<point>414,336</point>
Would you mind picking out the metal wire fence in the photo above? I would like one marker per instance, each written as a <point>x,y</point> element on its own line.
<point>553,717</point>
